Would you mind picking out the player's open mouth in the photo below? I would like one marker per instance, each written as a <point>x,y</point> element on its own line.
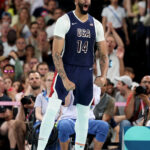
<point>85,6</point>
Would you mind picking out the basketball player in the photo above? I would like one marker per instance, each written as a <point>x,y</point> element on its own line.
<point>73,47</point>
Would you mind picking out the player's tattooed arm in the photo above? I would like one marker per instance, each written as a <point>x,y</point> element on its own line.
<point>102,48</point>
<point>58,44</point>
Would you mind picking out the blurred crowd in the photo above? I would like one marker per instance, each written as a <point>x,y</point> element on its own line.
<point>27,68</point>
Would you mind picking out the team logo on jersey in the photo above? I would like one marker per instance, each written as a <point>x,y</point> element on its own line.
<point>83,33</point>
<point>74,23</point>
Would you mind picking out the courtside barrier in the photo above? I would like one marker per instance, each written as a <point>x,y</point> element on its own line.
<point>6,103</point>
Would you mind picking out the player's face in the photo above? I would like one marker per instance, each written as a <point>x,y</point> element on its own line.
<point>83,5</point>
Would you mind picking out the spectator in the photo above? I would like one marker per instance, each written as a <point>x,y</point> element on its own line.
<point>26,69</point>
<point>110,88</point>
<point>52,5</point>
<point>14,129</point>
<point>132,110</point>
<point>15,17</point>
<point>34,86</point>
<point>34,28</point>
<point>66,124</point>
<point>16,85</point>
<point>43,98</point>
<point>131,7</point>
<point>58,12</point>
<point>29,53</point>
<point>42,68</point>
<point>21,44</point>
<point>18,68</point>
<point>41,11</point>
<point>35,4</point>
<point>17,4</point>
<point>41,22</point>
<point>8,83</point>
<point>43,47</point>
<point>116,15</point>
<point>9,72</point>
<point>4,32</point>
<point>6,17</point>
<point>130,72</point>
<point>116,63</point>
<point>23,23</point>
<point>124,87</point>
<point>3,61</point>
<point>10,91</point>
<point>32,89</point>
<point>136,106</point>
<point>104,110</point>
<point>10,45</point>
<point>33,63</point>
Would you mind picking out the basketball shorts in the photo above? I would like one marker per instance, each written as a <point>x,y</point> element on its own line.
<point>83,79</point>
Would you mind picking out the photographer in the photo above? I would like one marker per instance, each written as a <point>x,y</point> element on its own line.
<point>33,89</point>
<point>26,110</point>
<point>137,105</point>
<point>14,129</point>
<point>138,102</point>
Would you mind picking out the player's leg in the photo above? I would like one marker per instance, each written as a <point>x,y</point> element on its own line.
<point>50,115</point>
<point>81,126</point>
<point>83,97</point>
<point>100,129</point>
<point>48,122</point>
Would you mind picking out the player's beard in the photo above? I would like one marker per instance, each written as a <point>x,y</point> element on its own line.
<point>82,10</point>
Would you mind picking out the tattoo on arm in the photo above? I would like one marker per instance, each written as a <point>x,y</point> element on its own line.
<point>58,62</point>
<point>103,60</point>
<point>59,65</point>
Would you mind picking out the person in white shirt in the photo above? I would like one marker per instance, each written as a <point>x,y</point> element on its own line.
<point>115,54</point>
<point>116,15</point>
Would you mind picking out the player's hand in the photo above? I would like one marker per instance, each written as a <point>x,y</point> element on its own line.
<point>69,85</point>
<point>100,81</point>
